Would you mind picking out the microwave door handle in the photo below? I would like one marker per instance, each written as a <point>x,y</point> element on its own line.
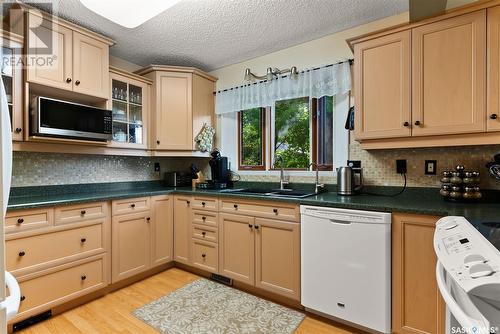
<point>458,308</point>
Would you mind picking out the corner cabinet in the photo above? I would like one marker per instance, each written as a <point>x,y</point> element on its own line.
<point>129,102</point>
<point>417,306</point>
<point>78,61</point>
<point>12,77</point>
<point>182,102</point>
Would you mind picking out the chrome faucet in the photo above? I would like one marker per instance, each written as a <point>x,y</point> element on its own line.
<point>318,187</point>
<point>283,183</point>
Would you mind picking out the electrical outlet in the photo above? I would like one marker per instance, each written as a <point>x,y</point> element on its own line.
<point>430,167</point>
<point>401,166</point>
<point>157,166</point>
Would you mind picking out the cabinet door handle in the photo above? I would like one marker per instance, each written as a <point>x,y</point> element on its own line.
<point>188,202</point>
<point>148,219</point>
<point>158,142</point>
<point>68,80</point>
<point>203,203</point>
<point>203,233</point>
<point>417,123</point>
<point>132,205</point>
<point>493,116</point>
<point>406,124</point>
<point>250,225</point>
<point>22,298</point>
<point>18,130</point>
<point>83,277</point>
<point>203,218</point>
<point>22,253</point>
<point>83,240</point>
<point>256,227</point>
<point>236,206</point>
<point>275,211</point>
<point>20,221</point>
<point>83,212</point>
<point>77,82</point>
<point>203,255</point>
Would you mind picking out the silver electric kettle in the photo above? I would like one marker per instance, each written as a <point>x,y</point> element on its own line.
<point>347,182</point>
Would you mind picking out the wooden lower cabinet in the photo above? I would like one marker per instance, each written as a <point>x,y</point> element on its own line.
<point>162,230</point>
<point>237,247</point>
<point>182,228</point>
<point>131,248</point>
<point>277,257</point>
<point>417,306</point>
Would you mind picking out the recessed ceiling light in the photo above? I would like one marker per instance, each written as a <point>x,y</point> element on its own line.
<point>129,13</point>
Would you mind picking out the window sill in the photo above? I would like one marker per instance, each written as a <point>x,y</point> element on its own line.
<point>288,172</point>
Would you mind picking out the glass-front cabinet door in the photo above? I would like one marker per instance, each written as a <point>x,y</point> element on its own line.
<point>11,73</point>
<point>129,102</point>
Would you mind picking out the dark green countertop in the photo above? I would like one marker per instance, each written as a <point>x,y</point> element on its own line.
<point>413,200</point>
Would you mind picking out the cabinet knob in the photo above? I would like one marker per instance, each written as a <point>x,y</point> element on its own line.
<point>83,240</point>
<point>250,225</point>
<point>18,130</point>
<point>417,123</point>
<point>406,124</point>
<point>188,202</point>
<point>203,203</point>
<point>236,206</point>
<point>275,211</point>
<point>203,218</point>
<point>77,82</point>
<point>493,116</point>
<point>68,80</point>
<point>148,219</point>
<point>203,233</point>
<point>83,277</point>
<point>22,298</point>
<point>256,227</point>
<point>20,221</point>
<point>132,205</point>
<point>22,253</point>
<point>158,142</point>
<point>203,255</point>
<point>83,212</point>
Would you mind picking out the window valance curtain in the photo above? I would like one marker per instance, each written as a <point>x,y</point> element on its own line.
<point>326,81</point>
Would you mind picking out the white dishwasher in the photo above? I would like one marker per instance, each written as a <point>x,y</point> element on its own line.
<point>346,265</point>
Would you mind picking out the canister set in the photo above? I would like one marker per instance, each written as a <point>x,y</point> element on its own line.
<point>460,185</point>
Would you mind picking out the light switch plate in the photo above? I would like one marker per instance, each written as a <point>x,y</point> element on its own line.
<point>430,167</point>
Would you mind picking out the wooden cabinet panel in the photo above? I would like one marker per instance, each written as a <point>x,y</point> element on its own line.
<point>182,228</point>
<point>90,66</point>
<point>205,233</point>
<point>162,229</point>
<point>265,209</point>
<point>80,212</point>
<point>493,86</point>
<point>58,72</point>
<point>205,255</point>
<point>203,103</point>
<point>130,205</point>
<point>205,203</point>
<point>382,87</point>
<point>237,249</point>
<point>17,221</point>
<point>417,306</point>
<point>277,257</point>
<point>205,218</point>
<point>174,121</point>
<point>449,76</point>
<point>131,249</point>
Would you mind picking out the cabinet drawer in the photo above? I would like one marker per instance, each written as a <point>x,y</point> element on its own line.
<point>205,203</point>
<point>17,221</point>
<point>64,245</point>
<point>81,212</point>
<point>276,210</point>
<point>130,205</point>
<point>60,285</point>
<point>205,233</point>
<point>205,255</point>
<point>205,218</point>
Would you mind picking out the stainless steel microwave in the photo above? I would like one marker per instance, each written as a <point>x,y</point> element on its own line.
<point>56,118</point>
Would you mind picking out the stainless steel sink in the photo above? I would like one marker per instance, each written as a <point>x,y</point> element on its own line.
<point>287,193</point>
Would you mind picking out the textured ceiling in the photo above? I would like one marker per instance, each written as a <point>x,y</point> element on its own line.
<point>210,34</point>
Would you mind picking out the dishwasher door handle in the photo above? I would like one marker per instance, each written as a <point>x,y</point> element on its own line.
<point>340,222</point>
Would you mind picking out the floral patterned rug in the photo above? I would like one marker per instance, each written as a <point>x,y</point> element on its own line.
<point>207,307</point>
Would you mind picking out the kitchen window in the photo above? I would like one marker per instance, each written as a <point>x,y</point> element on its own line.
<point>252,141</point>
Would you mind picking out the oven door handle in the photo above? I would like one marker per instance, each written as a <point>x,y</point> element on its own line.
<point>475,323</point>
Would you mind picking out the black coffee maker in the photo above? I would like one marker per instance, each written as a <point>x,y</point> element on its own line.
<point>219,167</point>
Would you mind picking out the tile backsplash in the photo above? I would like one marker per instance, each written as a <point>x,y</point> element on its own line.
<point>36,169</point>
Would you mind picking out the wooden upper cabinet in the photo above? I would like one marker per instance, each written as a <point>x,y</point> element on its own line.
<point>382,87</point>
<point>75,60</point>
<point>449,76</point>
<point>90,66</point>
<point>493,100</point>
<point>182,229</point>
<point>237,247</point>
<point>58,70</point>
<point>162,229</point>
<point>417,306</point>
<point>182,102</point>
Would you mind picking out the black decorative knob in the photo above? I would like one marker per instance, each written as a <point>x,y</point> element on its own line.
<point>203,233</point>
<point>77,82</point>
<point>203,203</point>
<point>22,253</point>
<point>83,212</point>
<point>68,80</point>
<point>250,225</point>
<point>406,124</point>
<point>275,211</point>
<point>20,221</point>
<point>18,130</point>
<point>417,123</point>
<point>236,206</point>
<point>188,202</point>
<point>203,218</point>
<point>203,255</point>
<point>22,298</point>
<point>493,116</point>
<point>256,227</point>
<point>83,277</point>
<point>158,142</point>
<point>148,219</point>
<point>83,240</point>
<point>132,205</point>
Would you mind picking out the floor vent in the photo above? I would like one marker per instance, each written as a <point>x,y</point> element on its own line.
<point>33,320</point>
<point>222,279</point>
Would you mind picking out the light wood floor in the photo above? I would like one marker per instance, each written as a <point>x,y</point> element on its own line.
<point>112,313</point>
